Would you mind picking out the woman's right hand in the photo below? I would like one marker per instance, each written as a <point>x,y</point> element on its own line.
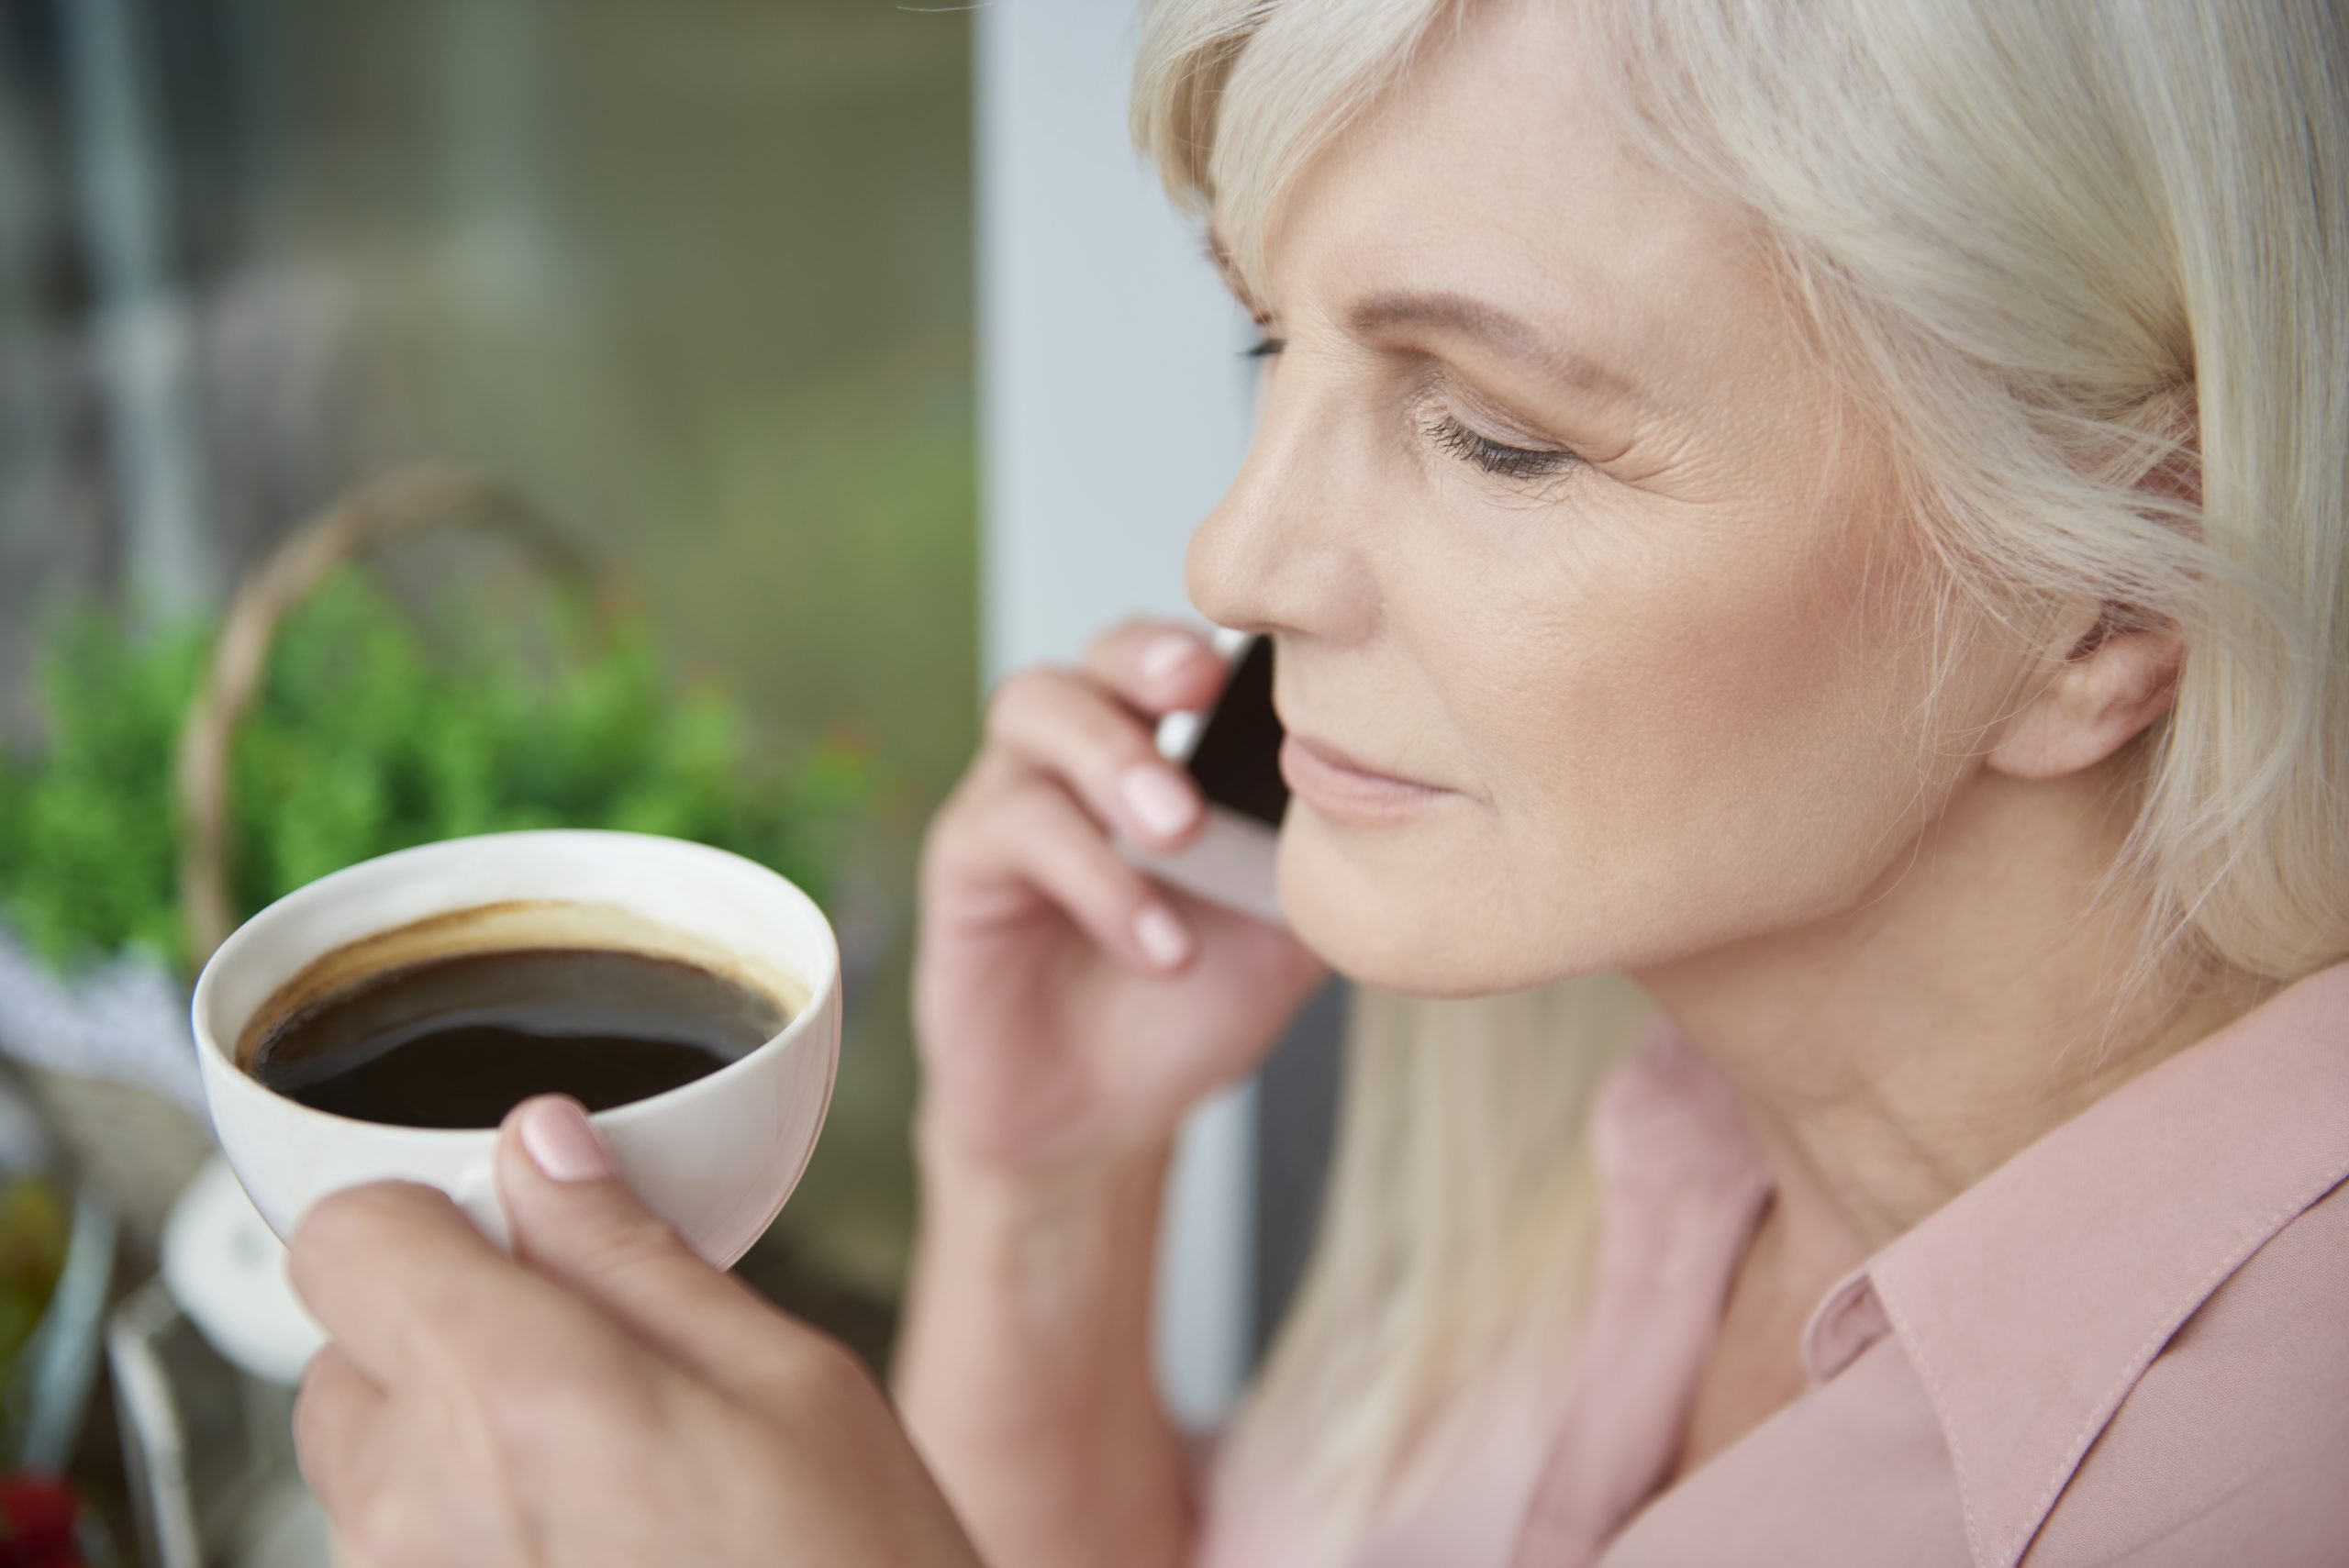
<point>1067,1006</point>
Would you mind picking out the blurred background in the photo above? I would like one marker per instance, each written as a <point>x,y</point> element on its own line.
<point>698,283</point>
<point>699,287</point>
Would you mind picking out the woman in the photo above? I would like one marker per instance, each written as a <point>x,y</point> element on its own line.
<point>1836,513</point>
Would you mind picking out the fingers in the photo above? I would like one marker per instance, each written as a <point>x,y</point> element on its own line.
<point>1067,754</point>
<point>337,1416</point>
<point>400,1279</point>
<point>1063,724</point>
<point>1156,667</point>
<point>1028,830</point>
<point>576,1221</point>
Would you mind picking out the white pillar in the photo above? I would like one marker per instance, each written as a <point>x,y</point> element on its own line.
<point>145,341</point>
<point>1113,410</point>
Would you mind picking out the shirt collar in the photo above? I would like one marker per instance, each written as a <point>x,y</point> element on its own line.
<point>2031,1302</point>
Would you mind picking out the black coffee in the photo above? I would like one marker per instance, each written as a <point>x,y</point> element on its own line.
<point>458,1042</point>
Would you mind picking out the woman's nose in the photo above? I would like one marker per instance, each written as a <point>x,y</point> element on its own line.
<point>1281,552</point>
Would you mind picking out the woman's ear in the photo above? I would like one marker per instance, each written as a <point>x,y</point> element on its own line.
<point>2117,678</point>
<point>2121,672</point>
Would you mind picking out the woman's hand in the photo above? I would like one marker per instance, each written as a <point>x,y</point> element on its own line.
<point>1067,1006</point>
<point>604,1397</point>
<point>1069,1010</point>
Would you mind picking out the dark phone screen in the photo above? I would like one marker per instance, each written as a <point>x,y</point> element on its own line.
<point>1237,759</point>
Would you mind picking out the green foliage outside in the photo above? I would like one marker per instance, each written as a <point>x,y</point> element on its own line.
<point>377,730</point>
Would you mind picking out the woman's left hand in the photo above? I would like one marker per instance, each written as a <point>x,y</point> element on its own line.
<point>602,1397</point>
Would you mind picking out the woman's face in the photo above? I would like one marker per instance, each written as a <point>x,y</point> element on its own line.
<point>1554,514</point>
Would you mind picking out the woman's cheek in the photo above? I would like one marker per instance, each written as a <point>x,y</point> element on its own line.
<point>1669,774</point>
<point>1670,720</point>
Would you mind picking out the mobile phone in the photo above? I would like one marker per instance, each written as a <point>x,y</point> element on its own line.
<point>1231,750</point>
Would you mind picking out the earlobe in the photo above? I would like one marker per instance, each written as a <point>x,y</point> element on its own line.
<point>2116,682</point>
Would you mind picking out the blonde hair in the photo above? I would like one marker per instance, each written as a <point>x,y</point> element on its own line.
<point>2090,262</point>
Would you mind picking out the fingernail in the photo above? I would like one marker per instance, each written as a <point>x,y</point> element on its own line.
<point>1162,657</point>
<point>1163,940</point>
<point>1161,803</point>
<point>561,1144</point>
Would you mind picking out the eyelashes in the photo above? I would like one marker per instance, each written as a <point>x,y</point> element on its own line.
<point>1449,434</point>
<point>1508,463</point>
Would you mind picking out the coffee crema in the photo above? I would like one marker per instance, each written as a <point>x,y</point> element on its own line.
<point>459,1037</point>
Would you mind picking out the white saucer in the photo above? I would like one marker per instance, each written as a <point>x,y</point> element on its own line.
<point>226,1269</point>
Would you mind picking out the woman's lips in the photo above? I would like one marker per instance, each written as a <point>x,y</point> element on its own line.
<point>1343,790</point>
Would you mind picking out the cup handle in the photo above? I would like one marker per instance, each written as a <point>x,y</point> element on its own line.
<point>475,1192</point>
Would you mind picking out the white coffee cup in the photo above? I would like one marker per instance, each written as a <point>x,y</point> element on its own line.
<point>716,1157</point>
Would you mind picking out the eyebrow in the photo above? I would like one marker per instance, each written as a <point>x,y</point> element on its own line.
<point>1437,311</point>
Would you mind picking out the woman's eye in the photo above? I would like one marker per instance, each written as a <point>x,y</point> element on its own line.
<point>1263,347</point>
<point>1510,463</point>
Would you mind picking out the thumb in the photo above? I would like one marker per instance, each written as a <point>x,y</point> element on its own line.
<point>576,1221</point>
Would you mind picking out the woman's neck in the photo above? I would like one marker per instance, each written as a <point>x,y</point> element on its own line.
<point>1892,1055</point>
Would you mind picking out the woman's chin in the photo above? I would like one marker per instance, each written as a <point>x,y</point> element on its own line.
<point>1388,914</point>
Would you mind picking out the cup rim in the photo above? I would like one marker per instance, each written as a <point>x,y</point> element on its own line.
<point>220,1058</point>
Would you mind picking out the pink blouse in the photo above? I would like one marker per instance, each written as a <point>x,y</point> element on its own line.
<point>2129,1345</point>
